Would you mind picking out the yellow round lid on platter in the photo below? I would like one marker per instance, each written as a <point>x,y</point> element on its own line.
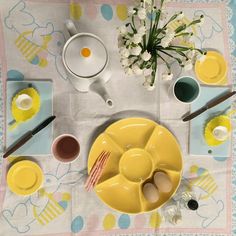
<point>212,70</point>
<point>24,177</point>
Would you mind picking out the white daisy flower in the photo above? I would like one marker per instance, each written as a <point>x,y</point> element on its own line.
<point>142,13</point>
<point>146,56</point>
<point>136,69</point>
<point>137,38</point>
<point>124,52</point>
<point>167,76</point>
<point>136,50</point>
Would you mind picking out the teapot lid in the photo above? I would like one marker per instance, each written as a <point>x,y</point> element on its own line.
<point>85,55</point>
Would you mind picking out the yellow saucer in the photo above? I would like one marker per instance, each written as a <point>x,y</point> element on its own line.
<point>222,120</point>
<point>138,147</point>
<point>212,70</point>
<point>24,115</point>
<point>24,178</point>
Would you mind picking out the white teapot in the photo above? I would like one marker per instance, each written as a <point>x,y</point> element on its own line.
<point>86,61</point>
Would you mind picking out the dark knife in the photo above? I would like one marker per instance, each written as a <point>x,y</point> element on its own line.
<point>209,105</point>
<point>27,136</point>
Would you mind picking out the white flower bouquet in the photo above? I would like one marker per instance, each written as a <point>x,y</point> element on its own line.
<point>148,38</point>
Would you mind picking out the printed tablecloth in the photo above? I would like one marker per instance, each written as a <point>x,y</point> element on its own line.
<point>32,35</point>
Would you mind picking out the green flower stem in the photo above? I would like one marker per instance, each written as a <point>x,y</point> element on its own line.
<point>167,64</point>
<point>153,29</point>
<point>186,48</point>
<point>176,58</point>
<point>172,48</point>
<point>170,20</point>
<point>182,34</point>
<point>134,62</point>
<point>133,25</point>
<point>181,28</point>
<point>177,51</point>
<point>157,19</point>
<point>155,70</point>
<point>194,22</point>
<point>151,16</point>
<point>130,26</point>
<point>182,54</point>
<point>162,2</point>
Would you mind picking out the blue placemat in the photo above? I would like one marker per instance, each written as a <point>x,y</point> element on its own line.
<point>197,144</point>
<point>40,144</point>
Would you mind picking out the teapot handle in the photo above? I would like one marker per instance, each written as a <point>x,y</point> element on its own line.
<point>71,27</point>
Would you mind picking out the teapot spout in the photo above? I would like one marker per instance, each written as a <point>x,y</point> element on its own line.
<point>99,88</point>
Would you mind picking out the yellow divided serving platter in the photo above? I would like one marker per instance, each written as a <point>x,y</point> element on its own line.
<point>212,70</point>
<point>138,147</point>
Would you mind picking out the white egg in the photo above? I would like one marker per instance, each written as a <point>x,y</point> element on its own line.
<point>220,133</point>
<point>163,182</point>
<point>150,192</point>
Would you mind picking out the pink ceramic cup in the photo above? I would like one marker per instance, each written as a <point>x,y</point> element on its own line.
<point>66,148</point>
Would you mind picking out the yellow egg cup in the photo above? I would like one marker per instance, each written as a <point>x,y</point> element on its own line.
<point>139,147</point>
<point>221,120</point>
<point>24,115</point>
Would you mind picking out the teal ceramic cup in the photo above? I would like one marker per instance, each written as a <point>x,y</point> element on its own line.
<point>185,89</point>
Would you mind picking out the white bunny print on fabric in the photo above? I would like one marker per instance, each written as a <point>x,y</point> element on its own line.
<point>202,183</point>
<point>35,42</point>
<point>45,205</point>
<point>209,29</point>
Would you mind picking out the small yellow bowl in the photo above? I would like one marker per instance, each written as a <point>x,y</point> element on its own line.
<point>222,120</point>
<point>24,178</point>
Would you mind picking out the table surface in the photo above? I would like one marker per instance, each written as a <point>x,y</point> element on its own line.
<point>64,208</point>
